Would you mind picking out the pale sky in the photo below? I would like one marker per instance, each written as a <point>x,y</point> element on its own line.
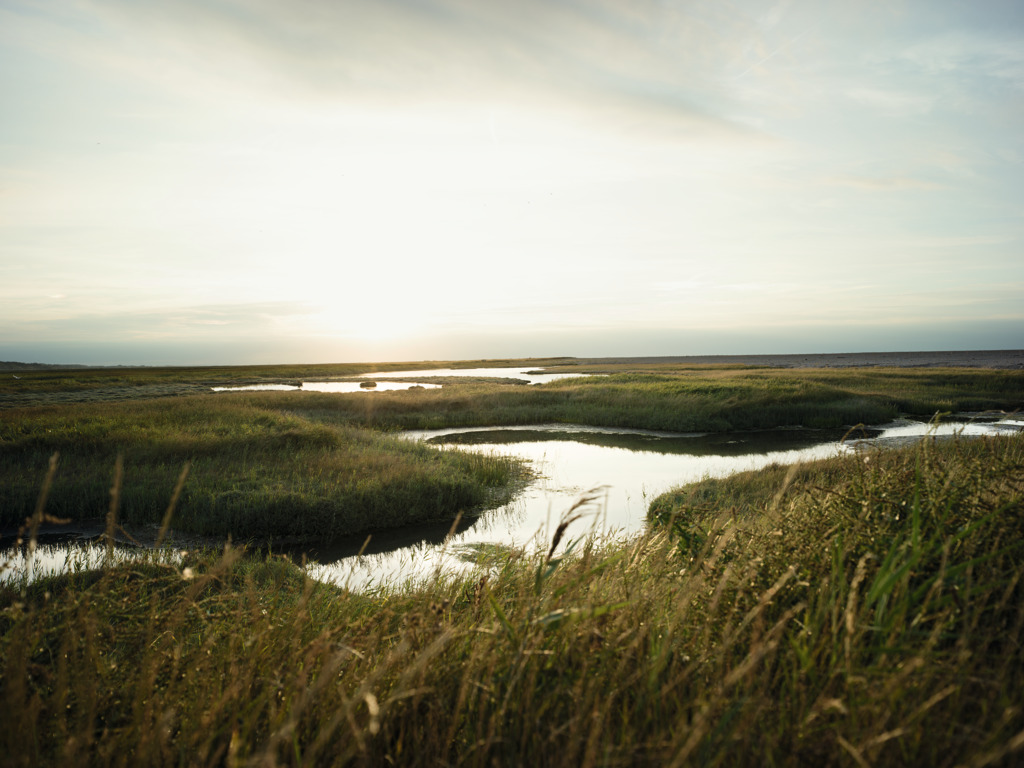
<point>262,181</point>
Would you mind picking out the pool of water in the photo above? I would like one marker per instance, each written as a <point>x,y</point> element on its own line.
<point>529,375</point>
<point>383,381</point>
<point>330,386</point>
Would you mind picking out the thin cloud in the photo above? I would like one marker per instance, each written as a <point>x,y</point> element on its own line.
<point>882,182</point>
<point>238,321</point>
<point>615,68</point>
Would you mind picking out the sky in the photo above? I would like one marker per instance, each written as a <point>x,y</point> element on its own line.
<point>302,181</point>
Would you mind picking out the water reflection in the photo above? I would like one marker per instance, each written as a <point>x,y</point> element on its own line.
<point>618,471</point>
<point>330,386</point>
<point>426,534</point>
<point>382,380</point>
<point>648,441</point>
<point>63,554</point>
<point>529,375</point>
<point>901,431</point>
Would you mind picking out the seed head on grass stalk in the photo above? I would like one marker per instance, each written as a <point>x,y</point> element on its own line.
<point>39,516</point>
<point>572,514</point>
<point>115,501</point>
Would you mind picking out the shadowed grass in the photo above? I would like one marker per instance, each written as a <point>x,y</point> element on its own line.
<point>850,613</point>
<point>255,472</point>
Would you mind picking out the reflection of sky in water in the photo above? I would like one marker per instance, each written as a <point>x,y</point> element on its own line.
<point>329,386</point>
<point>627,479</point>
<point>53,559</point>
<point>967,429</point>
<point>384,386</point>
<point>481,373</point>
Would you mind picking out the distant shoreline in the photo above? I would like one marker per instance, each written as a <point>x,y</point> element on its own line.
<point>1001,359</point>
<point>1008,359</point>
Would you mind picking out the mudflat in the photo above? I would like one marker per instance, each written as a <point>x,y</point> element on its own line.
<point>1006,359</point>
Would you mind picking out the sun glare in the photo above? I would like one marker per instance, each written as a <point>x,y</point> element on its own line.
<point>368,319</point>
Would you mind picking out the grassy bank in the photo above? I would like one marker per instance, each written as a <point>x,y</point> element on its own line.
<point>686,401</point>
<point>657,397</point>
<point>852,613</point>
<point>254,472</point>
<point>55,386</point>
<point>308,465</point>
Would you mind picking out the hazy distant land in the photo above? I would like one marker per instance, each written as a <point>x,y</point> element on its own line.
<point>1013,358</point>
<point>1007,358</point>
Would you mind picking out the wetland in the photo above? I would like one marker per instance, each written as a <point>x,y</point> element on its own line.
<point>631,561</point>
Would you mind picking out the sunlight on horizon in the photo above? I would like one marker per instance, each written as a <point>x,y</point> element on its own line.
<point>679,175</point>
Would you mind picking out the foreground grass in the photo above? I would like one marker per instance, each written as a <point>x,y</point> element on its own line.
<point>254,472</point>
<point>853,612</point>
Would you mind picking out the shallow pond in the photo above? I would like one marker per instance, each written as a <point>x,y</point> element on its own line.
<point>330,386</point>
<point>529,375</point>
<point>382,380</point>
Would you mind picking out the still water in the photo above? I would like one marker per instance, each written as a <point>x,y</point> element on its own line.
<point>527,375</point>
<point>330,386</point>
<point>621,471</point>
<point>616,472</point>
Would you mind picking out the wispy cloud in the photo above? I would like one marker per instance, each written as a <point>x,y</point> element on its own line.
<point>207,169</point>
<point>223,322</point>
<point>882,183</point>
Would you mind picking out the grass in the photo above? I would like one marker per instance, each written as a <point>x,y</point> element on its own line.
<point>685,401</point>
<point>861,611</point>
<point>684,398</point>
<point>310,465</point>
<point>255,472</point>
<point>55,385</point>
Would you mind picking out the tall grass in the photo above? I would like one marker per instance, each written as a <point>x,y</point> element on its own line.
<point>255,472</point>
<point>863,611</point>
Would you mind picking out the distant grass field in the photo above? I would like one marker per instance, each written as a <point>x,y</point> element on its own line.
<point>60,386</point>
<point>705,400</point>
<point>867,610</point>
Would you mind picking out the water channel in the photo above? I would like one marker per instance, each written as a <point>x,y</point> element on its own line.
<point>620,471</point>
<point>617,471</point>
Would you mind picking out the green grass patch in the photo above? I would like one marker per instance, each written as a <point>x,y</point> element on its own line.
<point>684,401</point>
<point>666,397</point>
<point>255,472</point>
